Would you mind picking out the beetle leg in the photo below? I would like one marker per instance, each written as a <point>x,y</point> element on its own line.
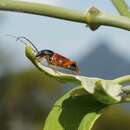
<point>54,67</point>
<point>39,59</point>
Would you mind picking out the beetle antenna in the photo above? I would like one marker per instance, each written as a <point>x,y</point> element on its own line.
<point>20,39</point>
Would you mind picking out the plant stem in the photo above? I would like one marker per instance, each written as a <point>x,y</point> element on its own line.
<point>122,7</point>
<point>93,17</point>
<point>112,20</point>
<point>123,79</point>
<point>42,9</point>
<point>126,89</point>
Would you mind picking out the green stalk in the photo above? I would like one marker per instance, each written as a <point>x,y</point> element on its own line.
<point>42,9</point>
<point>93,17</point>
<point>126,89</point>
<point>123,79</point>
<point>122,7</point>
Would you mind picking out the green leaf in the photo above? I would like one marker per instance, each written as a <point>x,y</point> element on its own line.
<point>108,88</point>
<point>74,112</point>
<point>55,74</point>
<point>79,108</point>
<point>105,91</point>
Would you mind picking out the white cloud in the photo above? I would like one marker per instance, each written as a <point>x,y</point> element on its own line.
<point>52,2</point>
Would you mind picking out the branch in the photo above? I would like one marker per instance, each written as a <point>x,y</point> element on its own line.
<point>122,7</point>
<point>123,79</point>
<point>42,9</point>
<point>93,17</point>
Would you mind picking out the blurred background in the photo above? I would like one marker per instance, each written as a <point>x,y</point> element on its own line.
<point>27,95</point>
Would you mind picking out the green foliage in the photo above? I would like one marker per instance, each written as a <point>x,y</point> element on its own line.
<point>105,91</point>
<point>92,16</point>
<point>122,7</point>
<point>79,108</point>
<point>74,112</point>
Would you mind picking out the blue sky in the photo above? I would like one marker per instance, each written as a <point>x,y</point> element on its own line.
<point>68,38</point>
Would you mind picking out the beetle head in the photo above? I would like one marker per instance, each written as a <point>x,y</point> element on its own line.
<point>44,53</point>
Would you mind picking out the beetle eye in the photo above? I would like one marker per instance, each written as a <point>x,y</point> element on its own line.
<point>39,54</point>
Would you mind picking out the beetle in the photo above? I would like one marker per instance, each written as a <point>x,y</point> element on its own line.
<point>58,60</point>
<point>52,58</point>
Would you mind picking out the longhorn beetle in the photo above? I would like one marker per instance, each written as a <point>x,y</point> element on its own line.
<point>52,57</point>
